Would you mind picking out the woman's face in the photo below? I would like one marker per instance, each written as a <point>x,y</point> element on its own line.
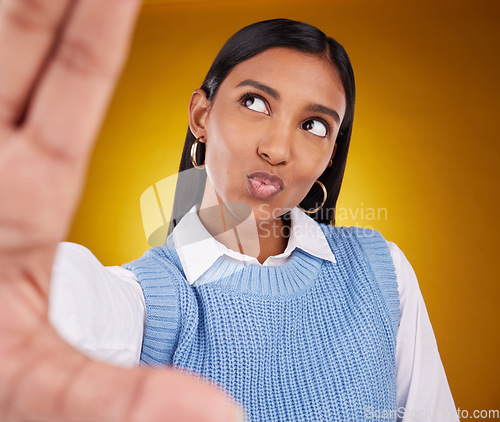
<point>270,131</point>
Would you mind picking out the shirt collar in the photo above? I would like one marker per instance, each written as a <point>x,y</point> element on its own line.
<point>198,249</point>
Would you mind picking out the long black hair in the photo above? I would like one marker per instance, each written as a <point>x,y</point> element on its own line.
<point>243,45</point>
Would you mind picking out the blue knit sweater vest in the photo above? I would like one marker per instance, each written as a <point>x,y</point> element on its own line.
<point>310,340</point>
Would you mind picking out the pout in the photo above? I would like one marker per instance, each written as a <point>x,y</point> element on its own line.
<point>264,185</point>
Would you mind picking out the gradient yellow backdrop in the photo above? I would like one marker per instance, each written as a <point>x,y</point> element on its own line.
<point>423,163</point>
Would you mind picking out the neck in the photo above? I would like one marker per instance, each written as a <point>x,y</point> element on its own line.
<point>236,228</point>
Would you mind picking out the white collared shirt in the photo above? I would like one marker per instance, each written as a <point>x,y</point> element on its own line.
<point>101,311</point>
<point>198,250</point>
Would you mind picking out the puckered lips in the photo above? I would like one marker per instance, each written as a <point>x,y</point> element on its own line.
<point>264,185</point>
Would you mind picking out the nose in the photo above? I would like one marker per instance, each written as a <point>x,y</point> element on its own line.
<point>275,145</point>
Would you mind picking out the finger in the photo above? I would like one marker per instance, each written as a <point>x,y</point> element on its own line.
<point>66,109</point>
<point>70,103</point>
<point>55,383</point>
<point>27,31</point>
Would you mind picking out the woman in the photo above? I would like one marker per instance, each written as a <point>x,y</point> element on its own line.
<point>337,376</point>
<point>297,320</point>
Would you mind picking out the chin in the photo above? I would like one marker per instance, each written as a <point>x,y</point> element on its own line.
<point>268,212</point>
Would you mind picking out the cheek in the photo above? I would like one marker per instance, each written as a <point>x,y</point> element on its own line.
<point>313,160</point>
<point>222,132</point>
<point>230,138</point>
<point>226,154</point>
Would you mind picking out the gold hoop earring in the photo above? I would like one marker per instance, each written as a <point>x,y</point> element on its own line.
<point>324,199</point>
<point>194,147</point>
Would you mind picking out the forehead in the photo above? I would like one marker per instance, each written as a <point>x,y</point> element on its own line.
<point>293,74</point>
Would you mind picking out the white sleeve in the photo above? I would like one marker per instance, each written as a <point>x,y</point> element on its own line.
<point>98,310</point>
<point>423,394</point>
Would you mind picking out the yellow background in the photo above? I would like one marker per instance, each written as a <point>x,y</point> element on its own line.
<point>425,147</point>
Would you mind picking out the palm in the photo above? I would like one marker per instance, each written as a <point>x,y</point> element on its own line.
<point>59,62</point>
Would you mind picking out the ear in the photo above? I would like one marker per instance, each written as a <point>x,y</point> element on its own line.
<point>199,110</point>
<point>334,151</point>
<point>333,155</point>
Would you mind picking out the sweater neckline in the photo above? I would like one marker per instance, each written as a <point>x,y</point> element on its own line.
<point>198,250</point>
<point>289,279</point>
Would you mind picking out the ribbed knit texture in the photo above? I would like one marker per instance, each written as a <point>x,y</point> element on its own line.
<point>309,340</point>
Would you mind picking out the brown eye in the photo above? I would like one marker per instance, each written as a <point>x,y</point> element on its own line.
<point>316,127</point>
<point>255,103</point>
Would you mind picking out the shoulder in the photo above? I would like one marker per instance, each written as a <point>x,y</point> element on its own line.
<point>369,248</point>
<point>159,266</point>
<point>374,243</point>
<point>78,274</point>
<point>367,238</point>
<point>328,229</point>
<point>97,309</point>
<point>164,256</point>
<point>409,293</point>
<point>75,260</point>
<point>409,289</point>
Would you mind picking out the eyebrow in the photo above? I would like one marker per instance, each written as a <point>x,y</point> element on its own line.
<point>325,110</point>
<point>272,92</point>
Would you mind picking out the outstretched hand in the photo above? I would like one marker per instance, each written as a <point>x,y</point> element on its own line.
<point>59,63</point>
